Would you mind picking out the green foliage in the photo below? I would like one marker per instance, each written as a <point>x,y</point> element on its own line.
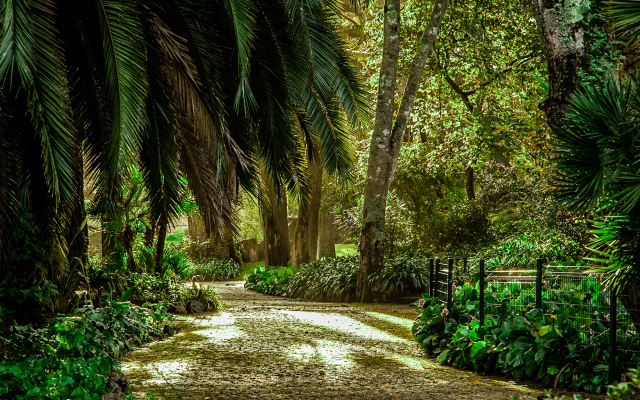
<point>327,279</point>
<point>542,344</point>
<point>270,281</point>
<point>626,390</point>
<point>597,160</point>
<point>402,276</point>
<point>334,279</point>
<point>521,251</point>
<point>106,278</point>
<point>216,269</point>
<point>205,294</point>
<point>70,358</point>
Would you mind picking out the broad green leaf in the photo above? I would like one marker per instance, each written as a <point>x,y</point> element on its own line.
<point>477,347</point>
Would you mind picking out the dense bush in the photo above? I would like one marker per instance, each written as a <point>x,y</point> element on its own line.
<point>334,279</point>
<point>547,347</point>
<point>629,390</point>
<point>105,279</point>
<point>521,250</point>
<point>270,281</point>
<point>216,269</point>
<point>70,358</point>
<point>402,276</point>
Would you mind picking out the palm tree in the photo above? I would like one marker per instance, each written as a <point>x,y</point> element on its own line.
<point>176,89</point>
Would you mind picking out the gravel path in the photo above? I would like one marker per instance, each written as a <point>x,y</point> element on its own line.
<point>266,347</point>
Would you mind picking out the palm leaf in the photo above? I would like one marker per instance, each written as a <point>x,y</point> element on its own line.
<point>126,91</point>
<point>625,17</point>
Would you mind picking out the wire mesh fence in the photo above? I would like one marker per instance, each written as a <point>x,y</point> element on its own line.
<point>627,336</point>
<point>569,294</point>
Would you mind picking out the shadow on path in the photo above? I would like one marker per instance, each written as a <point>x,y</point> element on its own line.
<point>267,347</point>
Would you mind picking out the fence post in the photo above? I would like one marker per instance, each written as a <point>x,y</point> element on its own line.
<point>539,283</point>
<point>436,282</point>
<point>613,310</point>
<point>431,278</point>
<point>481,282</point>
<point>450,285</point>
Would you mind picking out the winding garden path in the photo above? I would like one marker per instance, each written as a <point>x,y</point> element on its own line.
<point>266,347</point>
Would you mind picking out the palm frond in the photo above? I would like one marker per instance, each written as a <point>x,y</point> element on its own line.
<point>159,153</point>
<point>242,18</point>
<point>625,16</point>
<point>210,194</point>
<point>126,91</point>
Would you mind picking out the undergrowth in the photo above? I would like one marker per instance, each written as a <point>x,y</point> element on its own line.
<point>71,357</point>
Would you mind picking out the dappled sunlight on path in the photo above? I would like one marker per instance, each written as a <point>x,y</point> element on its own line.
<point>265,347</point>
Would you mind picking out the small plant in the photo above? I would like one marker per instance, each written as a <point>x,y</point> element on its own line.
<point>216,269</point>
<point>205,294</point>
<point>626,390</point>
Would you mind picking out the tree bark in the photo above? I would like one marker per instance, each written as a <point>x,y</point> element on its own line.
<point>149,234</point>
<point>564,44</point>
<point>387,137</point>
<point>305,243</point>
<point>327,236</point>
<point>107,243</point>
<point>276,235</point>
<point>471,193</point>
<point>162,236</point>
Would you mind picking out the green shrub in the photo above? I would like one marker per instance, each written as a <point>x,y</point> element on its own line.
<point>521,251</point>
<point>403,276</point>
<point>70,358</point>
<point>216,269</point>
<point>205,294</point>
<point>270,281</point>
<point>547,347</point>
<point>327,279</point>
<point>334,279</point>
<point>626,390</point>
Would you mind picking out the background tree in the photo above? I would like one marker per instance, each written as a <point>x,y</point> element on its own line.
<point>387,135</point>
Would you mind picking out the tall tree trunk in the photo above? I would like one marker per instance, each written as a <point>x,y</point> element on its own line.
<point>149,233</point>
<point>327,236</point>
<point>77,232</point>
<point>107,242</point>
<point>387,137</point>
<point>162,237</point>
<point>276,235</point>
<point>564,40</point>
<point>471,193</point>
<point>307,225</point>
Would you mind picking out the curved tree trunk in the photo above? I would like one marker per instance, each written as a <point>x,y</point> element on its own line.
<point>387,137</point>
<point>276,235</point>
<point>305,243</point>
